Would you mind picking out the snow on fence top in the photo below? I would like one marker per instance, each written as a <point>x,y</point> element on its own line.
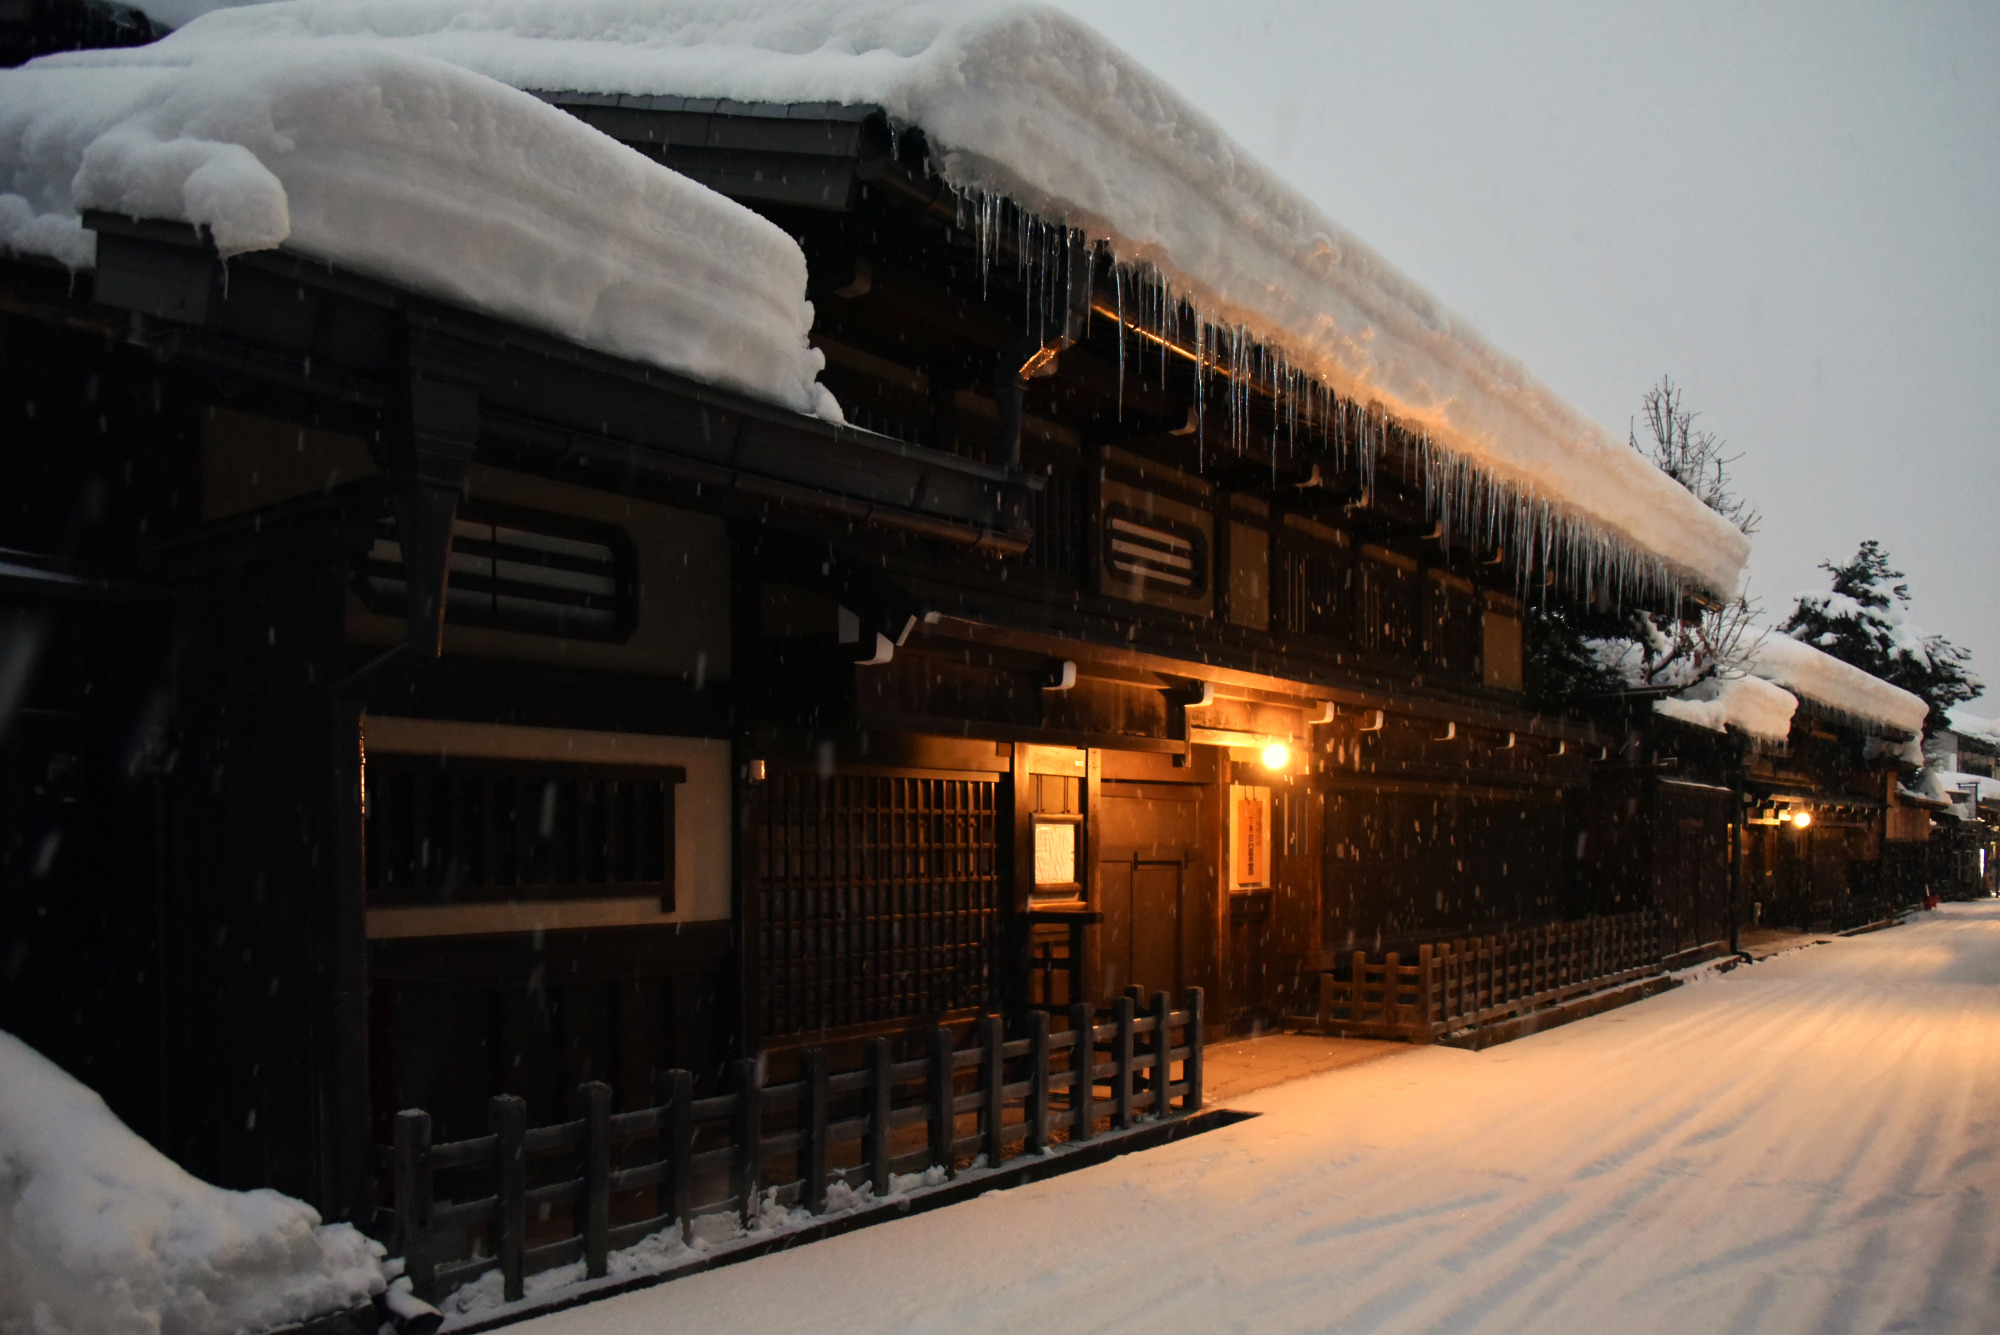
<point>1023,102</point>
<point>100,1234</point>
<point>422,173</point>
<point>1838,688</point>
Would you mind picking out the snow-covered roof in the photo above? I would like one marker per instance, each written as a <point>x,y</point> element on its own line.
<point>1025,102</point>
<point>1838,688</point>
<point>1971,725</point>
<point>101,1233</point>
<point>1751,705</point>
<point>420,172</point>
<point>1984,787</point>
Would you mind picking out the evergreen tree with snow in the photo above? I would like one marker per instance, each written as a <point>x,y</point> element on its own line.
<point>1861,622</point>
<point>1563,664</point>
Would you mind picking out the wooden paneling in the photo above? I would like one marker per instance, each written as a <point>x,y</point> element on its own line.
<point>1419,863</point>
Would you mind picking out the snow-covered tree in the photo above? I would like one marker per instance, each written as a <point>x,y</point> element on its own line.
<point>1572,656</point>
<point>1861,621</point>
<point>1563,665</point>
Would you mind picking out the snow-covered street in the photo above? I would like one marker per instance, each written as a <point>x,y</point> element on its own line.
<point>1808,1144</point>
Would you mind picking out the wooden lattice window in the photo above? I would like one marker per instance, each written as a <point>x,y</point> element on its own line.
<point>1058,526</point>
<point>879,898</point>
<point>1390,612</point>
<point>450,830</point>
<point>1315,593</point>
<point>1453,632</point>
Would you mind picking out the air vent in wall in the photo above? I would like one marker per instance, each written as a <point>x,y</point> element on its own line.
<point>518,570</point>
<point>1150,550</point>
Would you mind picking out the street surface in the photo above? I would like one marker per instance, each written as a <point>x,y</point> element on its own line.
<point>1807,1144</point>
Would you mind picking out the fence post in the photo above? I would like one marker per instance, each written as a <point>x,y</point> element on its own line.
<point>993,1068</point>
<point>676,1091</point>
<point>1121,1079</point>
<point>1083,1066</point>
<point>878,1116</point>
<point>413,1201</point>
<point>1038,1083</point>
<point>943,1114</point>
<point>747,1164</point>
<point>1163,1054</point>
<point>594,1107</point>
<point>1191,1065</point>
<point>508,1116</point>
<point>1426,984</point>
<point>812,1127</point>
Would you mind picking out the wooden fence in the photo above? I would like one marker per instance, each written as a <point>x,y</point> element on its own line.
<point>1454,984</point>
<point>530,1199</point>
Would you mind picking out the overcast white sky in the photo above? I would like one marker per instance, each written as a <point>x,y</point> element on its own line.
<point>1794,210</point>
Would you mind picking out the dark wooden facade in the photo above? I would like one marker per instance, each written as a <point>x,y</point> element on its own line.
<point>416,708</point>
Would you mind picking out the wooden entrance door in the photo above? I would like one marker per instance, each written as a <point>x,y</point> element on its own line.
<point>1150,836</point>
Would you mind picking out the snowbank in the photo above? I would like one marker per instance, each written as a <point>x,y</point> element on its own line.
<point>1031,104</point>
<point>1748,704</point>
<point>100,1233</point>
<point>424,174</point>
<point>1838,688</point>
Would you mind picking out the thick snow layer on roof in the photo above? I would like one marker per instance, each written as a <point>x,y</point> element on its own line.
<point>1984,787</point>
<point>425,174</point>
<point>1029,103</point>
<point>1972,725</point>
<point>101,1233</point>
<point>1840,688</point>
<point>1749,704</point>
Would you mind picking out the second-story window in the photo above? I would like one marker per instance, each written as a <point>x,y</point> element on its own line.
<point>520,570</point>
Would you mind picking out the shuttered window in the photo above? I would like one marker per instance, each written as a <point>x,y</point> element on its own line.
<point>518,570</point>
<point>1151,550</point>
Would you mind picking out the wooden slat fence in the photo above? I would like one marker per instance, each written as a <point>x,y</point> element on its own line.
<point>533,1198</point>
<point>1451,985</point>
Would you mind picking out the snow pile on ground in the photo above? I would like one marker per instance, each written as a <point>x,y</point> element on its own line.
<point>1838,688</point>
<point>1803,1145</point>
<point>424,174</point>
<point>1749,704</point>
<point>1031,104</point>
<point>101,1233</point>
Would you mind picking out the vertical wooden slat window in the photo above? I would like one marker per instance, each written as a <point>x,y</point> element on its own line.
<point>1315,593</point>
<point>879,898</point>
<point>1058,544</point>
<point>438,830</point>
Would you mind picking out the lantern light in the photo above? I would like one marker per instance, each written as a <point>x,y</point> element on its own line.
<point>1276,755</point>
<point>1801,819</point>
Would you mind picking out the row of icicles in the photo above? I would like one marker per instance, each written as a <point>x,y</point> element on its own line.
<point>1310,423</point>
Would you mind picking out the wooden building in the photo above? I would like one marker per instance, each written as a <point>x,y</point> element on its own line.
<point>412,705</point>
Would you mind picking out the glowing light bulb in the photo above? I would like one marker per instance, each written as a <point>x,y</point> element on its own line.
<point>1276,754</point>
<point>1801,819</point>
